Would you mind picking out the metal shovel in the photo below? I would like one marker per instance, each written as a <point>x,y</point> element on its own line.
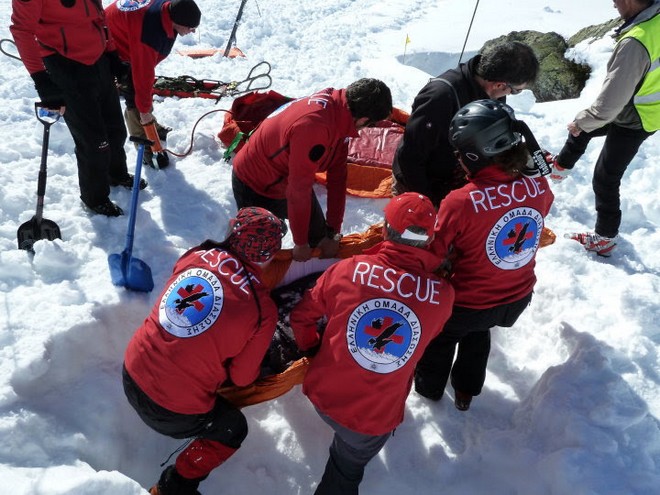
<point>38,227</point>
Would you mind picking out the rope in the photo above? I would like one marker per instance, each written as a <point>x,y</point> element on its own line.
<point>192,134</point>
<point>467,35</point>
<point>10,55</point>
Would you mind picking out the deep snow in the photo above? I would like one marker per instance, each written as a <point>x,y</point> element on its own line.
<point>571,402</point>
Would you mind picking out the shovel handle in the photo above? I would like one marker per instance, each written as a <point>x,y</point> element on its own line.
<point>47,116</point>
<point>140,140</point>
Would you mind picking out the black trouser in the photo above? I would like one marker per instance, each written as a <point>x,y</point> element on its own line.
<point>470,330</point>
<point>620,147</point>
<point>245,196</point>
<point>224,423</point>
<point>94,118</point>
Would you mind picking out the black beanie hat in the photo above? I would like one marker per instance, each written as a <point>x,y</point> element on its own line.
<point>185,13</point>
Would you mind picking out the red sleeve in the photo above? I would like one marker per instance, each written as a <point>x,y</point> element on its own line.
<point>245,367</point>
<point>306,314</point>
<point>305,136</point>
<point>24,21</point>
<point>143,60</point>
<point>447,226</point>
<point>337,173</point>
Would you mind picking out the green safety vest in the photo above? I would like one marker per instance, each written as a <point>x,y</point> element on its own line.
<point>647,98</point>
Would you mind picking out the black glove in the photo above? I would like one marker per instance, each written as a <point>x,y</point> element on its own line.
<point>311,352</point>
<point>50,94</point>
<point>118,67</point>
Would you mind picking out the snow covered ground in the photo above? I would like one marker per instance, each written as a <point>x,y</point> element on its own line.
<point>571,403</point>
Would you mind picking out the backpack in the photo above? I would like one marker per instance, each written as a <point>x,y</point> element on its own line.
<point>247,112</point>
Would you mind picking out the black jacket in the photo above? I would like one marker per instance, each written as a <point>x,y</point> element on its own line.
<point>424,161</point>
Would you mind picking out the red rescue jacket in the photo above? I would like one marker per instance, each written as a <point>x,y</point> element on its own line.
<point>204,328</point>
<point>44,27</point>
<point>493,224</point>
<point>383,309</point>
<point>143,37</point>
<point>280,159</point>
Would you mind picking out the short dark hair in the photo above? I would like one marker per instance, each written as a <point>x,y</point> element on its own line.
<point>510,61</point>
<point>369,98</point>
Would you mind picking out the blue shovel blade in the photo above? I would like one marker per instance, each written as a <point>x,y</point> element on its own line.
<point>129,272</point>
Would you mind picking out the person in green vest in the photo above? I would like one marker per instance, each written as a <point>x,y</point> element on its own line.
<point>626,112</point>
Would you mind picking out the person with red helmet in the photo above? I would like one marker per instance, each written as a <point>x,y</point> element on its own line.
<point>192,342</point>
<point>383,308</point>
<point>490,231</point>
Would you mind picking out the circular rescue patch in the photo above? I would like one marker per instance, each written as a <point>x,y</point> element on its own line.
<point>514,239</point>
<point>131,5</point>
<point>382,334</point>
<point>192,303</point>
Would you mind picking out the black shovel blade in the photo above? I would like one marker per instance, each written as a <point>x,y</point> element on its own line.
<point>33,231</point>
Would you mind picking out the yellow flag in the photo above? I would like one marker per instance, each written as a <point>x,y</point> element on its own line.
<point>407,39</point>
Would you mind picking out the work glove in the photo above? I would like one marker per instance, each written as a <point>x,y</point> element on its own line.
<point>50,94</point>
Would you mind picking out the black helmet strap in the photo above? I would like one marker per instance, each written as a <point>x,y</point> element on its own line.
<point>540,166</point>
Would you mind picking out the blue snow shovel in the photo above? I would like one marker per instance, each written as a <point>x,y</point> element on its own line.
<point>125,270</point>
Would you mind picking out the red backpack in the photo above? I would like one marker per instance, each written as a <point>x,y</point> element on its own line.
<point>247,112</point>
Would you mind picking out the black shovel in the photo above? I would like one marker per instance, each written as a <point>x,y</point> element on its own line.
<point>38,227</point>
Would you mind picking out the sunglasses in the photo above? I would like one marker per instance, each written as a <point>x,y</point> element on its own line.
<point>514,91</point>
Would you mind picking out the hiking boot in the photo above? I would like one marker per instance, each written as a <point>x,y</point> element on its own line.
<point>172,483</point>
<point>127,182</point>
<point>162,159</point>
<point>599,244</point>
<point>109,209</point>
<point>148,159</point>
<point>462,400</point>
<point>426,389</point>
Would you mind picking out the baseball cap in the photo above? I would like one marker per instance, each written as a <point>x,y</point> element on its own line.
<point>185,13</point>
<point>255,234</point>
<point>411,209</point>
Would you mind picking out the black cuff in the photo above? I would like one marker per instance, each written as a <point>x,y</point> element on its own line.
<point>331,233</point>
<point>50,94</point>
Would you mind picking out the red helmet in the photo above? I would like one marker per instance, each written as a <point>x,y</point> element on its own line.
<point>255,234</point>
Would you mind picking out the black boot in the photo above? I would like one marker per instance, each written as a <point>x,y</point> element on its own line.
<point>172,483</point>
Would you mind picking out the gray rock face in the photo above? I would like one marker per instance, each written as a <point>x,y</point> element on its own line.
<point>559,78</point>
